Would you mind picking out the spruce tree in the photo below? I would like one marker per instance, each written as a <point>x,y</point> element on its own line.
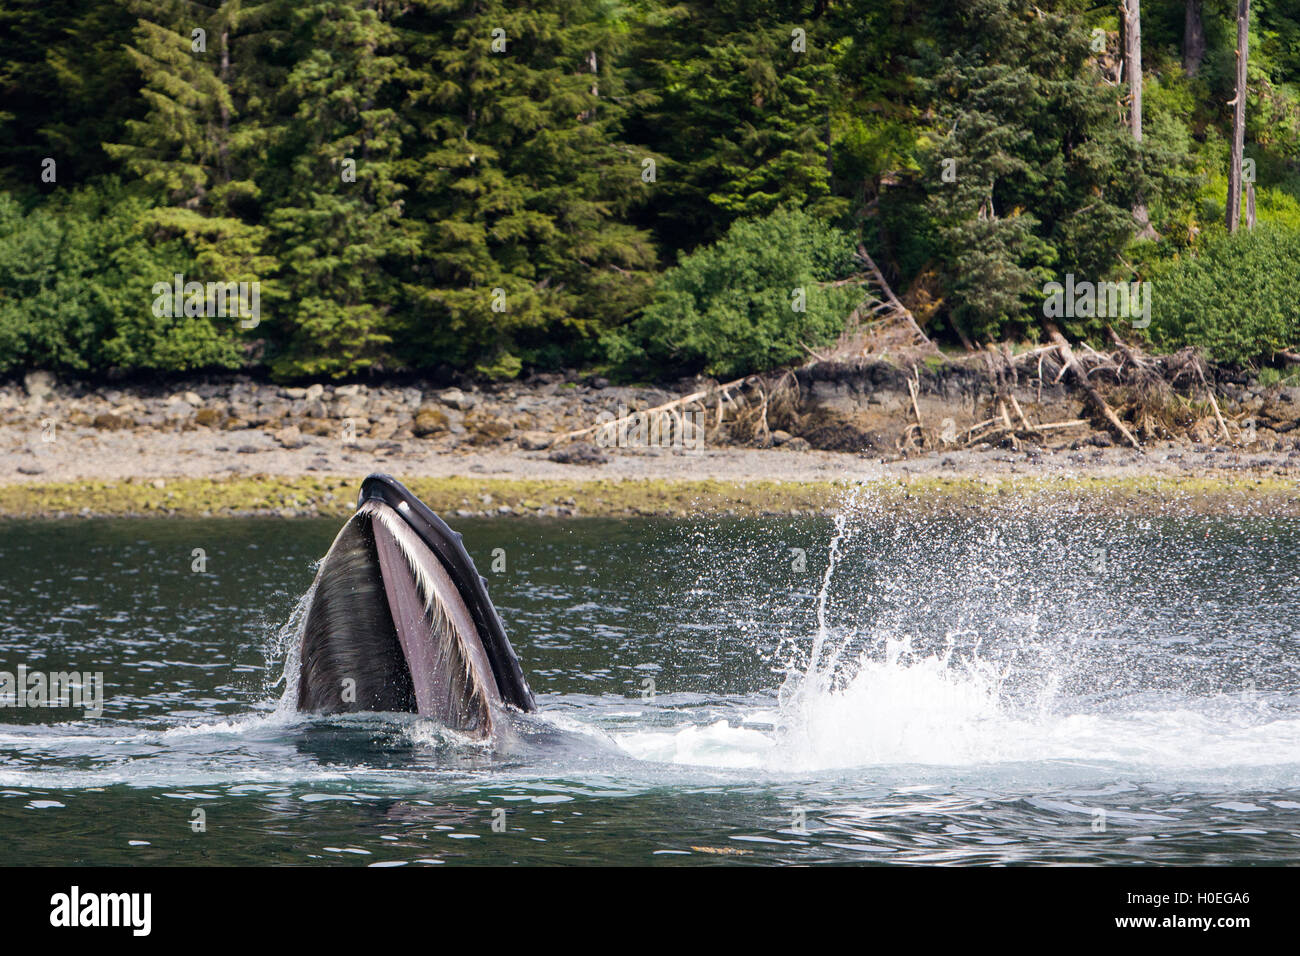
<point>65,86</point>
<point>340,229</point>
<point>519,179</point>
<point>745,112</point>
<point>1041,175</point>
<point>197,148</point>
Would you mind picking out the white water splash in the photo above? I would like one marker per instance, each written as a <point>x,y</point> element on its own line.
<point>896,708</point>
<point>932,712</point>
<point>869,699</point>
<point>287,644</point>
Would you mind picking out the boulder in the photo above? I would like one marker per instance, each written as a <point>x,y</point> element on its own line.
<point>430,420</point>
<point>383,428</point>
<point>178,411</point>
<point>488,431</point>
<point>290,437</point>
<point>112,421</point>
<point>318,426</point>
<point>579,454</point>
<point>535,440</point>
<point>208,417</point>
<point>458,399</point>
<point>349,407</point>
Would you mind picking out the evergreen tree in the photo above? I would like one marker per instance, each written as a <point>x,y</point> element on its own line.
<point>484,184</point>
<point>340,229</point>
<point>65,86</point>
<point>1041,176</point>
<point>204,73</point>
<point>520,180</point>
<point>745,108</point>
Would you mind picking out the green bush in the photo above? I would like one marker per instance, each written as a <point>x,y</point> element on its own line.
<point>1235,297</point>
<point>76,279</point>
<point>729,309</point>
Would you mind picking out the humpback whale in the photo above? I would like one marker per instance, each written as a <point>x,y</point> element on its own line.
<point>398,619</point>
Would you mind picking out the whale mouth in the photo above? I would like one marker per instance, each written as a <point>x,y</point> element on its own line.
<point>400,620</point>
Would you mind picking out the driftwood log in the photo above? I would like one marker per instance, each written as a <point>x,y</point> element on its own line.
<point>1081,377</point>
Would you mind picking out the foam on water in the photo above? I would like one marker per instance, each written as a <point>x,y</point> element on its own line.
<point>934,711</point>
<point>865,697</point>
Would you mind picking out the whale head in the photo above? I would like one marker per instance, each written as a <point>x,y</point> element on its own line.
<point>398,619</point>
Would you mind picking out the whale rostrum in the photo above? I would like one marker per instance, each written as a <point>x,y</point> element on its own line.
<point>398,619</point>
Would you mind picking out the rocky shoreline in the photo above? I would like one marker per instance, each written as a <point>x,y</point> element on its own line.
<point>824,424</point>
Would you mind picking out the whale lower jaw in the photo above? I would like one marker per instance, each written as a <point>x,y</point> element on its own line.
<point>390,627</point>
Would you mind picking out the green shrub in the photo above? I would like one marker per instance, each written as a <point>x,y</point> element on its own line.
<point>1235,297</point>
<point>729,309</point>
<point>76,279</point>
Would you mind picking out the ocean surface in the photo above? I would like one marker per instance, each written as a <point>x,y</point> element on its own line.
<point>1036,686</point>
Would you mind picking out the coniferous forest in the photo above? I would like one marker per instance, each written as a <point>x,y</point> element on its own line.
<point>635,187</point>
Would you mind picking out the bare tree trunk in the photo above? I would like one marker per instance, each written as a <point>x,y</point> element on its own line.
<point>1133,64</point>
<point>1238,118</point>
<point>1132,15</point>
<point>1080,376</point>
<point>224,151</point>
<point>1193,38</point>
<point>592,65</point>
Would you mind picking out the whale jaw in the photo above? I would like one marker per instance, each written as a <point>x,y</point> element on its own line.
<point>399,621</point>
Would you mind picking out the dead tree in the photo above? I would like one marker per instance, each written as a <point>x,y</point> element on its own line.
<point>1133,64</point>
<point>1193,38</point>
<point>1238,118</point>
<point>1090,390</point>
<point>1132,11</point>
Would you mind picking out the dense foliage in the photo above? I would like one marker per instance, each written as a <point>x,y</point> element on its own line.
<point>77,275</point>
<point>1236,298</point>
<point>637,185</point>
<point>752,301</point>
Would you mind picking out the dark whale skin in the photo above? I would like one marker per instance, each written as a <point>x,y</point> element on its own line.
<point>370,642</point>
<point>450,549</point>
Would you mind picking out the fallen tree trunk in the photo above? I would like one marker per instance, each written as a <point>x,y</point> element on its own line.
<point>1214,403</point>
<point>720,391</point>
<point>1072,364</point>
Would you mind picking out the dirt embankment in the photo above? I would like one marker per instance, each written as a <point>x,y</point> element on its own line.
<point>1030,401</point>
